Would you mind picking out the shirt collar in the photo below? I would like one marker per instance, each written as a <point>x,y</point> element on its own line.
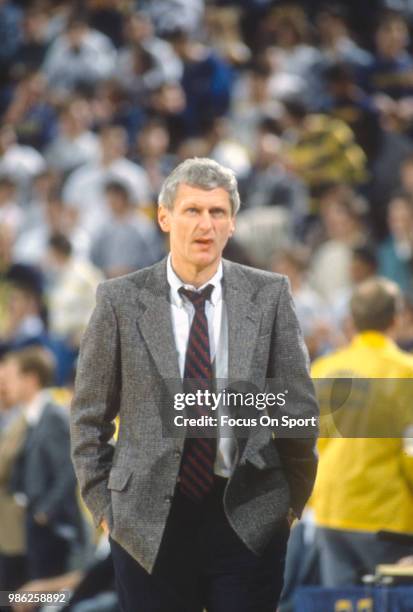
<point>373,339</point>
<point>34,409</point>
<point>175,284</point>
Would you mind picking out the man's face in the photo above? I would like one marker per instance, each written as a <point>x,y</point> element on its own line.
<point>13,382</point>
<point>199,226</point>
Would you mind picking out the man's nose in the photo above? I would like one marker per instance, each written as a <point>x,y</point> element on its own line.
<point>205,221</point>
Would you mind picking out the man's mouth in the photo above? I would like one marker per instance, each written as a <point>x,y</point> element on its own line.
<point>205,241</point>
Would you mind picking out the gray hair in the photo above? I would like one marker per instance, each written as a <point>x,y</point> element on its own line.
<point>200,172</point>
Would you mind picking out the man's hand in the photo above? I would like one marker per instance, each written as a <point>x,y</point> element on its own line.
<point>104,525</point>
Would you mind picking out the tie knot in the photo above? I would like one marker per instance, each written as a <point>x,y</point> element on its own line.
<point>198,298</point>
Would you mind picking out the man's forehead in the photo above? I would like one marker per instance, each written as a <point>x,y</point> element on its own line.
<point>191,194</point>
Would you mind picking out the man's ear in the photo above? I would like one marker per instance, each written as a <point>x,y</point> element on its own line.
<point>163,218</point>
<point>232,228</point>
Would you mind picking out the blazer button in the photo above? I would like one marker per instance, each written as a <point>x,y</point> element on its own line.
<point>177,453</point>
<point>168,499</point>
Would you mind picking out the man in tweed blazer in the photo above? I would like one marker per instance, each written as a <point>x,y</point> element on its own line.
<point>224,550</point>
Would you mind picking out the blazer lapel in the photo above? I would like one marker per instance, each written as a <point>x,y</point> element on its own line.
<point>155,324</point>
<point>243,322</point>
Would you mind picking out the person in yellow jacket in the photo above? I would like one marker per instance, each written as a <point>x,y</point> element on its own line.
<point>365,475</point>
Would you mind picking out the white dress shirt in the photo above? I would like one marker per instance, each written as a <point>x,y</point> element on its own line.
<point>183,311</point>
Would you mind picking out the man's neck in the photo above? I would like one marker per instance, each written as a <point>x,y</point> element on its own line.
<point>193,275</point>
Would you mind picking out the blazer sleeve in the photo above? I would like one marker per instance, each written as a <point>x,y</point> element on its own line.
<point>96,404</point>
<point>291,370</point>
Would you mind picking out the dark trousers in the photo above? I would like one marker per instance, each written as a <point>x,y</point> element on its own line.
<point>202,563</point>
<point>47,553</point>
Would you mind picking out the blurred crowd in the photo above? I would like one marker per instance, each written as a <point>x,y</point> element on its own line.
<point>310,103</point>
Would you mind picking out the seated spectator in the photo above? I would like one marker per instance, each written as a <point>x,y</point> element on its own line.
<point>269,182</point>
<point>75,143</point>
<point>11,214</point>
<point>312,312</point>
<point>13,433</point>
<point>43,480</point>
<point>152,146</point>
<point>30,112</point>
<point>319,148</point>
<point>25,323</point>
<point>396,251</point>
<point>256,94</point>
<point>224,32</point>
<point>406,174</point>
<point>42,220</point>
<point>169,15</point>
<point>146,62</point>
<point>343,223</point>
<point>292,53</point>
<point>78,57</point>
<point>33,46</point>
<point>206,81</point>
<point>20,162</point>
<point>83,191</point>
<point>349,103</point>
<point>336,43</point>
<point>389,75</point>
<point>363,266</point>
<point>129,241</point>
<point>71,290</point>
<point>91,589</point>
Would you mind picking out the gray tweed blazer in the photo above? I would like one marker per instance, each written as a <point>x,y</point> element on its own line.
<point>128,367</point>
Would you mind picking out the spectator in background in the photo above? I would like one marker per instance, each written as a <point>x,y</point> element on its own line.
<point>269,182</point>
<point>169,15</point>
<point>396,251</point>
<point>25,323</point>
<point>389,77</point>
<point>312,312</point>
<point>349,103</point>
<point>75,144</point>
<point>33,46</point>
<point>49,216</point>
<point>146,62</point>
<point>128,241</point>
<point>363,266</point>
<point>30,113</point>
<point>291,52</point>
<point>20,162</point>
<point>84,191</point>
<point>343,222</point>
<point>375,491</point>
<point>152,146</point>
<point>13,432</point>
<point>206,81</point>
<point>70,292</point>
<point>321,149</point>
<point>406,174</point>
<point>256,94</point>
<point>79,57</point>
<point>11,214</point>
<point>10,35</point>
<point>43,479</point>
<point>336,43</point>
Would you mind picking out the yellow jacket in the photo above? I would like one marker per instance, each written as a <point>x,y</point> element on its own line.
<point>366,483</point>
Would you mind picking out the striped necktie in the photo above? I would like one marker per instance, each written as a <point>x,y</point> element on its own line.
<point>196,475</point>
